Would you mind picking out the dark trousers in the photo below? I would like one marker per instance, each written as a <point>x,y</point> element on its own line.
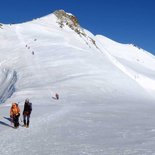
<point>26,119</point>
<point>16,121</point>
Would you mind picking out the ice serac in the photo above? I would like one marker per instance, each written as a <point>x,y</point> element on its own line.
<point>7,83</point>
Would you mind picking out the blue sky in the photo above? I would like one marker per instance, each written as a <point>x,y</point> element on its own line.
<point>125,21</point>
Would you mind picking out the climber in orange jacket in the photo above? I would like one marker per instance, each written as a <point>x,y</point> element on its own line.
<point>14,114</point>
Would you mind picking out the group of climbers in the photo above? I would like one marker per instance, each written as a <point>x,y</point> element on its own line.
<point>15,113</point>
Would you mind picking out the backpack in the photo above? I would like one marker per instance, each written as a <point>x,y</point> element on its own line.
<point>28,107</point>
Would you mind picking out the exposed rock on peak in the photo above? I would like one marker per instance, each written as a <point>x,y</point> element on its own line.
<point>71,21</point>
<point>66,18</point>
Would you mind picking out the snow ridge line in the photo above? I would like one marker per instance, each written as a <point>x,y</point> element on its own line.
<point>142,80</point>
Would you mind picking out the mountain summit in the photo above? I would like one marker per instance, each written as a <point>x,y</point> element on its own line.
<point>66,18</point>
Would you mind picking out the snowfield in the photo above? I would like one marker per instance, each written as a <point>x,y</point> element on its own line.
<point>106,105</point>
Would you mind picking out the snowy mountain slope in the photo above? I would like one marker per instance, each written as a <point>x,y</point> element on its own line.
<point>104,101</point>
<point>36,37</point>
<point>133,61</point>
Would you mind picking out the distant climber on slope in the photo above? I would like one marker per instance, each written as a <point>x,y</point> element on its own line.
<point>14,114</point>
<point>27,112</point>
<point>56,96</point>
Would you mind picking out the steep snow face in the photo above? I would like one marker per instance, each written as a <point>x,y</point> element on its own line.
<point>7,82</point>
<point>47,57</point>
<point>133,61</point>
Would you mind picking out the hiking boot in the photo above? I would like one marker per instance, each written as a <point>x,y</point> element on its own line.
<point>24,125</point>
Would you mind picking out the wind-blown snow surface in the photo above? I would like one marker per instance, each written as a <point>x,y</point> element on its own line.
<point>106,104</point>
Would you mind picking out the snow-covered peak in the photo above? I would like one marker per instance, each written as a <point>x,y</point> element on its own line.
<point>58,41</point>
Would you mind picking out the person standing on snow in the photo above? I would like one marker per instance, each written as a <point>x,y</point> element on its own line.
<point>14,114</point>
<point>57,96</point>
<point>27,112</point>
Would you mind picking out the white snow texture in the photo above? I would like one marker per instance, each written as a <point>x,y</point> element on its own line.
<point>106,90</point>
